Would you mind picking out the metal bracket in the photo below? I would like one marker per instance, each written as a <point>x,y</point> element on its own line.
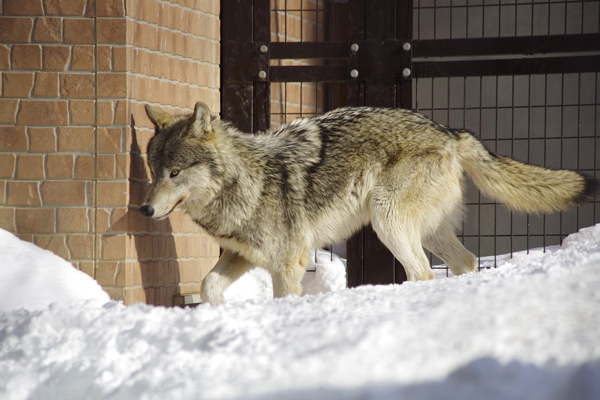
<point>246,61</point>
<point>377,60</point>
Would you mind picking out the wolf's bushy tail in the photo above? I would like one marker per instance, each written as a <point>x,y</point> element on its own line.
<point>523,187</point>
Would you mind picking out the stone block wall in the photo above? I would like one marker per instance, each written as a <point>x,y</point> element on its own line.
<point>75,76</point>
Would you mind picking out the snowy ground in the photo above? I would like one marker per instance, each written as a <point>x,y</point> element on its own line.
<point>529,329</point>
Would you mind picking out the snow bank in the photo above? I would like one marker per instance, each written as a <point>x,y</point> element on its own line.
<point>528,329</point>
<point>33,278</point>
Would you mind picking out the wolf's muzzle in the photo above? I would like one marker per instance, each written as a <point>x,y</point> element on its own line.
<point>148,211</point>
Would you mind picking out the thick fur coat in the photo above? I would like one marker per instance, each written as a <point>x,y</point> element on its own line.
<point>269,197</point>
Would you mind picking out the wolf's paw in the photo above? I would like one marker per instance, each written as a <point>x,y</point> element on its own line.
<point>427,275</point>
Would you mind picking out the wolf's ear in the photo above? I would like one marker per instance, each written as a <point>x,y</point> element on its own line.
<point>158,117</point>
<point>203,116</point>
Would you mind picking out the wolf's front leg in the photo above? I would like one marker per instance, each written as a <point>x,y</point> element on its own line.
<point>227,270</point>
<point>287,281</point>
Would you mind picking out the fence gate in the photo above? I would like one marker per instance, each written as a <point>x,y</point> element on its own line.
<point>523,75</point>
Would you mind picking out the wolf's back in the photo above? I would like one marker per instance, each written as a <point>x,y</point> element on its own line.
<point>523,187</point>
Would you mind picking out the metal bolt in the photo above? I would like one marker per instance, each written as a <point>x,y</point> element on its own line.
<point>264,48</point>
<point>354,73</point>
<point>354,47</point>
<point>406,46</point>
<point>262,74</point>
<point>406,72</point>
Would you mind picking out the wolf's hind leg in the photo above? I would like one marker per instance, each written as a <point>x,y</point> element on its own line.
<point>399,234</point>
<point>444,244</point>
<point>228,269</point>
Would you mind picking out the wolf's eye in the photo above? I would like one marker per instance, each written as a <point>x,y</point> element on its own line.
<point>175,172</point>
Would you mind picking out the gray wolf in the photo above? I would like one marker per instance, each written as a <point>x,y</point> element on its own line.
<point>269,197</point>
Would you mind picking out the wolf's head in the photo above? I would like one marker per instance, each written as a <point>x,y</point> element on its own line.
<point>182,160</point>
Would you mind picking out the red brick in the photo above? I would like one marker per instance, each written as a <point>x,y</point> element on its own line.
<point>64,192</point>
<point>13,138</point>
<point>121,113</point>
<point>90,10</point>
<point>114,247</point>
<point>64,7</point>
<point>59,166</point>
<point>48,29</point>
<point>23,7</point>
<point>112,30</point>
<point>17,84</point>
<point>23,194</point>
<point>81,246</point>
<point>112,193</point>
<point>7,165</point>
<point>4,57</point>
<point>87,267</point>
<point>56,58</point>
<point>113,85</point>
<point>46,84</point>
<point>106,166</point>
<point>82,112</point>
<point>83,57</point>
<point>72,138</point>
<point>120,58</point>
<point>106,273</point>
<point>43,112</point>
<point>77,85</point>
<point>105,112</point>
<point>15,30</point>
<point>123,165</point>
<point>8,111</point>
<point>42,140</point>
<point>119,294</point>
<point>79,31</point>
<point>110,8</point>
<point>35,220</point>
<point>53,243</point>
<point>26,56</point>
<point>110,140</point>
<point>7,219</point>
<point>104,58</point>
<point>120,220</point>
<point>84,167</point>
<point>30,166</point>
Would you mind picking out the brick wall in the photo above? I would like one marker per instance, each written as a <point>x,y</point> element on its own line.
<point>75,77</point>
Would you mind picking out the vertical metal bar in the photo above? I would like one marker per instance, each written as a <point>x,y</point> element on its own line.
<point>578,125</point>
<point>545,139</point>
<point>528,138</point>
<point>562,135</point>
<point>595,140</point>
<point>479,193</point>
<point>512,147</point>
<point>495,202</point>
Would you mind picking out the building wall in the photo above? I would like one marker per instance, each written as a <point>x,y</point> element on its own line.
<point>75,77</point>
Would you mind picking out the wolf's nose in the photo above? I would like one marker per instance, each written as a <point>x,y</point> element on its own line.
<point>148,211</point>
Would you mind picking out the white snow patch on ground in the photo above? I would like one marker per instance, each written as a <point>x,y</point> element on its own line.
<point>529,329</point>
<point>33,278</point>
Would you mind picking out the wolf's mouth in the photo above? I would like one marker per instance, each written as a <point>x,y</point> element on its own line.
<point>171,210</point>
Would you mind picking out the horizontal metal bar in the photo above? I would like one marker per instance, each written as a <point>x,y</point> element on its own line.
<point>295,50</point>
<point>309,73</point>
<point>497,46</point>
<point>523,66</point>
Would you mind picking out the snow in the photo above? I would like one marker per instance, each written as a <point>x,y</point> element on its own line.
<point>529,329</point>
<point>325,273</point>
<point>33,278</point>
